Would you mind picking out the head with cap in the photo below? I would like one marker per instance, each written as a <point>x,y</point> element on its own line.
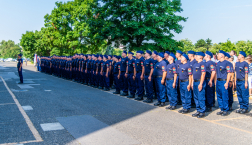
<point>221,55</point>
<point>171,58</point>
<point>227,56</point>
<point>139,54</point>
<point>154,54</point>
<point>199,56</point>
<point>19,55</point>
<point>160,56</point>
<point>166,54</point>
<point>184,58</point>
<point>178,53</point>
<point>242,55</point>
<point>105,57</point>
<point>147,54</point>
<point>191,54</point>
<point>208,55</point>
<point>109,57</point>
<point>130,55</point>
<point>124,53</point>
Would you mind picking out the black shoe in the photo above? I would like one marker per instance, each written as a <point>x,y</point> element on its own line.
<point>124,94</point>
<point>225,113</point>
<point>169,107</point>
<point>145,95</point>
<point>244,111</point>
<point>20,83</point>
<point>162,104</point>
<point>173,108</point>
<point>100,88</point>
<point>230,108</point>
<point>196,114</point>
<point>193,106</point>
<point>220,113</point>
<point>180,111</point>
<point>149,101</point>
<point>131,96</point>
<point>139,99</point>
<point>106,89</point>
<point>201,115</point>
<point>167,100</point>
<point>238,111</point>
<point>116,92</point>
<point>209,109</point>
<point>145,100</point>
<point>185,111</point>
<point>179,103</point>
<point>157,104</point>
<point>95,87</point>
<point>154,97</point>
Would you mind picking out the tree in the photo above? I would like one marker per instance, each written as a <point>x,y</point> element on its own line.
<point>228,46</point>
<point>215,48</point>
<point>201,43</point>
<point>140,24</point>
<point>8,49</point>
<point>186,45</point>
<point>245,46</point>
<point>208,43</point>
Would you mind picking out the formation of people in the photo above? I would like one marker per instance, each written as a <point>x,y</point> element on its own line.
<point>190,80</point>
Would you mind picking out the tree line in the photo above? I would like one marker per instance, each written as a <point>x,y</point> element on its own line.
<point>207,45</point>
<point>8,49</point>
<point>94,26</point>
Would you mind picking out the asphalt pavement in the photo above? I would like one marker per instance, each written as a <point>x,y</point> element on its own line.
<point>47,110</point>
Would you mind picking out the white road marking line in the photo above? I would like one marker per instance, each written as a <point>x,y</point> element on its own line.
<point>27,119</point>
<point>48,90</point>
<point>52,126</point>
<point>7,104</point>
<point>20,143</point>
<point>27,108</point>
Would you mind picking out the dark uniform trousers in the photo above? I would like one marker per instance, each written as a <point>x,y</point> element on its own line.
<point>186,95</point>
<point>149,87</point>
<point>106,80</point>
<point>125,82</point>
<point>117,82</point>
<point>139,85</point>
<point>199,96</point>
<point>160,88</point>
<point>242,94</point>
<point>100,77</point>
<point>222,95</point>
<point>20,75</point>
<point>210,94</point>
<point>230,96</point>
<point>172,92</point>
<point>131,84</point>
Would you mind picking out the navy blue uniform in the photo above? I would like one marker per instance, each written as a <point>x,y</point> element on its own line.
<point>139,63</point>
<point>118,82</point>
<point>88,75</point>
<point>241,68</point>
<point>210,91</point>
<point>106,80</point>
<point>148,65</point>
<point>172,93</point>
<point>222,69</point>
<point>184,72</point>
<point>230,89</point>
<point>159,68</point>
<point>123,66</point>
<point>178,63</point>
<point>20,61</point>
<point>154,80</point>
<point>199,96</point>
<point>192,64</point>
<point>131,82</point>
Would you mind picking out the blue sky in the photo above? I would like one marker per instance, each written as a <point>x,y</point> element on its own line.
<point>214,19</point>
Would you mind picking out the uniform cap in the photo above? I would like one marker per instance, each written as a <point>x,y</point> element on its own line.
<point>209,53</point>
<point>200,54</point>
<point>139,51</point>
<point>179,51</point>
<point>148,51</point>
<point>118,57</point>
<point>167,52</point>
<point>161,54</point>
<point>243,53</point>
<point>223,52</point>
<point>227,55</point>
<point>131,53</point>
<point>172,55</point>
<point>185,56</point>
<point>191,52</point>
<point>155,52</point>
<point>105,56</point>
<point>125,52</point>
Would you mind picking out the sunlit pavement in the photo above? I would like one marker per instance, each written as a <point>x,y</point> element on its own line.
<point>50,110</point>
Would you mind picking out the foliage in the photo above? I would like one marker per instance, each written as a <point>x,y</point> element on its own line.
<point>186,45</point>
<point>8,49</point>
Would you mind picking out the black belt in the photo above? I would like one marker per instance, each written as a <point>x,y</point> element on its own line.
<point>184,80</point>
<point>158,76</point>
<point>197,80</point>
<point>240,80</point>
<point>169,79</point>
<point>130,72</point>
<point>222,79</point>
<point>147,74</point>
<point>207,78</point>
<point>139,71</point>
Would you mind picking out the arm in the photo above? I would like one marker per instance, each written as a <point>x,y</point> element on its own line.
<point>190,82</point>
<point>175,79</point>
<point>142,75</point>
<point>202,79</point>
<point>164,76</point>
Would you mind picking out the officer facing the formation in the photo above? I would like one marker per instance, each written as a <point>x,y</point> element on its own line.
<point>131,75</point>
<point>159,76</point>
<point>19,67</point>
<point>171,82</point>
<point>185,77</point>
<point>199,85</point>
<point>241,83</point>
<point>224,71</point>
<point>148,70</point>
<point>139,69</point>
<point>210,84</point>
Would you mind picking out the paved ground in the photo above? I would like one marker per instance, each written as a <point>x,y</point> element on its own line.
<point>48,110</point>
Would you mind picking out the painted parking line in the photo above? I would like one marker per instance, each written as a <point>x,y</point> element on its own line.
<point>52,126</point>
<point>7,104</point>
<point>27,108</point>
<point>27,119</point>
